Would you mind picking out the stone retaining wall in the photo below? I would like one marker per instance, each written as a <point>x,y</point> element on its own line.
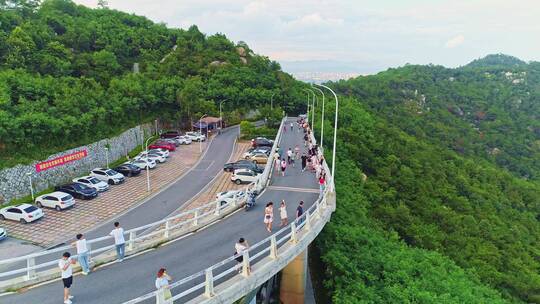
<point>14,181</point>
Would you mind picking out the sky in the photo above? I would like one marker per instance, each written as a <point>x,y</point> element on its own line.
<point>360,36</point>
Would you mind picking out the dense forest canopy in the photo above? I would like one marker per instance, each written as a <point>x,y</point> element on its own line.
<point>66,76</point>
<point>450,209</point>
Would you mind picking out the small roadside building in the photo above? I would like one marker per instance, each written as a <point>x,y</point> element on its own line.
<point>213,123</point>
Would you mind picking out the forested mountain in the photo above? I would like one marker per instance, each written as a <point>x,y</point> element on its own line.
<point>66,76</point>
<point>449,210</point>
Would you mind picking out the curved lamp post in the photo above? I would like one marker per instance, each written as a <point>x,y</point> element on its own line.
<point>322,116</point>
<point>272,101</point>
<point>335,130</point>
<point>200,131</point>
<point>220,117</point>
<point>147,166</point>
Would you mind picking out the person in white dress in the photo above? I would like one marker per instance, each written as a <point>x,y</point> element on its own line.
<point>283,214</point>
<point>269,216</point>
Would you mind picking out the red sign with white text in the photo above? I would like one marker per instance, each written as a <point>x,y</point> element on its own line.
<point>59,161</point>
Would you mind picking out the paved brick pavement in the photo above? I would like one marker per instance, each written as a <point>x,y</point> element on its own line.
<point>56,226</point>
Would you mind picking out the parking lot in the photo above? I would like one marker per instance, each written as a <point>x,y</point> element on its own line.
<point>57,226</point>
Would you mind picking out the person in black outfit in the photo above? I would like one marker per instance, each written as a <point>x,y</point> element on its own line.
<point>304,162</point>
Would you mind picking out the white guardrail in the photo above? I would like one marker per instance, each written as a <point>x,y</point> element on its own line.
<point>42,266</point>
<point>222,282</point>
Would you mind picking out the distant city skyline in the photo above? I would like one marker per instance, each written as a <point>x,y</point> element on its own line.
<point>358,36</point>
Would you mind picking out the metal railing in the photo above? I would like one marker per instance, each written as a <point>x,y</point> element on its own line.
<point>262,254</point>
<point>138,239</point>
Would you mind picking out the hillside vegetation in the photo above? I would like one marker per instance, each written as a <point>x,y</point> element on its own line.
<point>441,217</point>
<point>66,76</point>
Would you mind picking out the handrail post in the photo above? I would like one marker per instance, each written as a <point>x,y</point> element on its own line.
<point>218,208</point>
<point>293,233</point>
<point>245,264</point>
<point>160,296</point>
<point>132,237</point>
<point>167,228</point>
<point>30,271</point>
<point>317,212</point>
<point>196,218</point>
<point>209,283</point>
<point>307,226</point>
<point>273,247</point>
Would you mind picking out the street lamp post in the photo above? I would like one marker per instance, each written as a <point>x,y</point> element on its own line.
<point>200,131</point>
<point>335,132</point>
<point>220,117</point>
<point>147,166</point>
<point>156,127</point>
<point>107,156</point>
<point>322,115</point>
<point>29,174</point>
<point>272,101</point>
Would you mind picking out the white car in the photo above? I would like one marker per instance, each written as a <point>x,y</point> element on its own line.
<point>184,140</point>
<point>240,176</point>
<point>227,197</point>
<point>56,200</point>
<point>196,136</point>
<point>3,233</point>
<point>252,152</point>
<point>150,156</point>
<point>107,175</point>
<point>143,163</point>
<point>93,182</point>
<point>24,213</point>
<point>161,151</point>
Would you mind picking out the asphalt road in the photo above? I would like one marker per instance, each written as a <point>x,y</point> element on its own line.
<point>119,282</point>
<point>167,201</point>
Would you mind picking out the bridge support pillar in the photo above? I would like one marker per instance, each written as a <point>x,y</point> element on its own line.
<point>293,280</point>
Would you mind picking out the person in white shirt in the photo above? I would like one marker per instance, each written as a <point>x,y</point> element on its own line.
<point>240,247</point>
<point>283,214</point>
<point>65,265</point>
<point>162,283</point>
<point>118,234</point>
<point>82,253</point>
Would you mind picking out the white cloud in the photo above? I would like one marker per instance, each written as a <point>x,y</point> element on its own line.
<point>454,42</point>
<point>313,20</point>
<point>254,8</point>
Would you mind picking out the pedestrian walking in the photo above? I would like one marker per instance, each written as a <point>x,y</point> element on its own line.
<point>82,253</point>
<point>322,183</point>
<point>269,216</point>
<point>283,214</point>
<point>66,267</point>
<point>284,128</point>
<point>299,212</point>
<point>283,166</point>
<point>277,163</point>
<point>305,140</point>
<point>119,241</point>
<point>304,161</point>
<point>297,152</point>
<point>292,127</point>
<point>241,246</point>
<point>162,283</point>
<point>289,156</point>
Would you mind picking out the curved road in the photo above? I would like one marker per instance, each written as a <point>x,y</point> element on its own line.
<point>119,282</point>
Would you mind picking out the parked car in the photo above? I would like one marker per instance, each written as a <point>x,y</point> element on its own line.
<point>170,134</point>
<point>162,145</point>
<point>24,213</point>
<point>227,197</point>
<point>262,149</point>
<point>163,152</point>
<point>93,182</point>
<point>56,200</point>
<point>128,170</point>
<point>240,176</point>
<point>258,158</point>
<point>108,175</point>
<point>184,140</point>
<point>175,141</point>
<point>196,136</point>
<point>81,191</point>
<point>3,233</point>
<point>242,164</point>
<point>155,157</point>
<point>262,142</point>
<point>142,164</point>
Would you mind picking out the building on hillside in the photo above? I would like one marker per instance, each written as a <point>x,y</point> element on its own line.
<point>213,123</point>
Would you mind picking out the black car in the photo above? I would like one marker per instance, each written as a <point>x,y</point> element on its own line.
<point>262,142</point>
<point>128,170</point>
<point>78,190</point>
<point>170,134</point>
<point>242,164</point>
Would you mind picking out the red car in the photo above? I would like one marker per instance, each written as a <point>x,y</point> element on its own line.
<point>162,145</point>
